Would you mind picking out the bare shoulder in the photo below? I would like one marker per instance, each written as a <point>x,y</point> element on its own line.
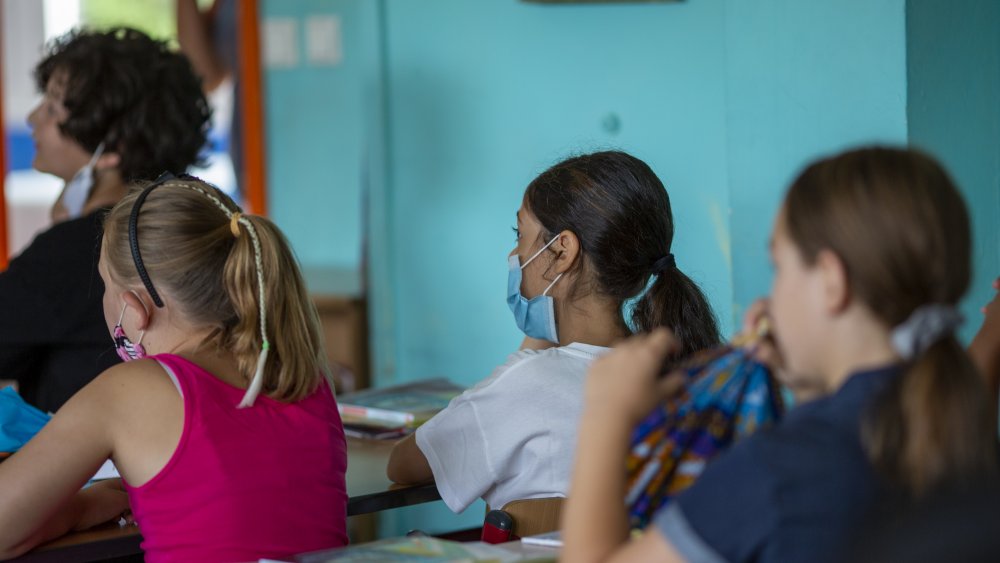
<point>137,373</point>
<point>144,416</point>
<point>132,386</point>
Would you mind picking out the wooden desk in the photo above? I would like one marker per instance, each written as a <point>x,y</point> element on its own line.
<point>368,490</point>
<point>368,487</point>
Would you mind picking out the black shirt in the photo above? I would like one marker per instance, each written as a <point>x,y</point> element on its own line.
<point>53,337</point>
<point>795,492</point>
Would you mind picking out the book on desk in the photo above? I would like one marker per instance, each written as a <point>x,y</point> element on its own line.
<point>426,549</point>
<point>392,412</point>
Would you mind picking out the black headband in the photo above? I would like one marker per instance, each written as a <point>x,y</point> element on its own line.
<point>133,236</point>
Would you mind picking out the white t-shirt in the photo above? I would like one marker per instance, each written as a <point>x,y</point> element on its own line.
<point>513,435</point>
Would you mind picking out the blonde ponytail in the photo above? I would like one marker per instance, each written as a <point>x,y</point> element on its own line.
<point>231,272</point>
<point>297,346</point>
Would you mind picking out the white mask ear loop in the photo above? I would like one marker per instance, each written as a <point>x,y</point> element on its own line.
<point>97,154</point>
<point>121,318</point>
<point>540,250</point>
<point>535,255</point>
<point>552,284</point>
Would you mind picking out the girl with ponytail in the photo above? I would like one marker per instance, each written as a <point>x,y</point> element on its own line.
<point>592,264</point>
<point>222,409</point>
<point>871,252</point>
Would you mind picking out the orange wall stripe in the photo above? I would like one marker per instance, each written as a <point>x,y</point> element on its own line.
<point>3,168</point>
<point>251,92</point>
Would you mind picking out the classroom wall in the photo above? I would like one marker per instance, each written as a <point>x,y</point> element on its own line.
<point>483,96</point>
<point>726,101</point>
<point>465,102</point>
<point>953,68</point>
<point>723,100</point>
<point>804,79</point>
<point>318,127</point>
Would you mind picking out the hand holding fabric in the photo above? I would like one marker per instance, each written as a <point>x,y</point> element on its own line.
<point>626,383</point>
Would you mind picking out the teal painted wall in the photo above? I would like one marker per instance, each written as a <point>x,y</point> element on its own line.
<point>482,96</point>
<point>319,128</point>
<point>954,112</point>
<point>724,100</point>
<point>444,110</point>
<point>803,79</point>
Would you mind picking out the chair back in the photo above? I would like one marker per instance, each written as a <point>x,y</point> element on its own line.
<point>535,515</point>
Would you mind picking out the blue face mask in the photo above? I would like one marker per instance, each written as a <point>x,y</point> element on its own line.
<point>535,317</point>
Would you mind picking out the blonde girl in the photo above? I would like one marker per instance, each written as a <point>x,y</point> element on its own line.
<point>221,422</point>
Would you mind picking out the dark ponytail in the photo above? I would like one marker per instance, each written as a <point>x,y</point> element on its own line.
<point>676,302</point>
<point>620,212</point>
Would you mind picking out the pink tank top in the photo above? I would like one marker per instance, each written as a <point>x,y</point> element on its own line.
<point>243,484</point>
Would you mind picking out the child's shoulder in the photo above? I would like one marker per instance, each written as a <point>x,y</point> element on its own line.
<point>134,380</point>
<point>813,437</point>
<point>126,396</point>
<point>531,364</point>
<point>555,358</point>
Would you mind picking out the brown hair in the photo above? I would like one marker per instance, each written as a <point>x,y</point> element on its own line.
<point>618,208</point>
<point>901,228</point>
<point>195,261</point>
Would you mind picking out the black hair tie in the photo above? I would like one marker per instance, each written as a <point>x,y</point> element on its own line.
<point>133,236</point>
<point>664,264</point>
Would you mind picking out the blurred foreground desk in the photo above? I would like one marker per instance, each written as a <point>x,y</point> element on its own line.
<point>368,489</point>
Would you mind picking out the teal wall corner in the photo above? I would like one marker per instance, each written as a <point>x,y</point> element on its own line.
<point>953,67</point>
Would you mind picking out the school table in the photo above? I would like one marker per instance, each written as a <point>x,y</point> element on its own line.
<point>368,490</point>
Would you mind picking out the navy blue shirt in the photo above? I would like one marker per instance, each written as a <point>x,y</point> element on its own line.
<point>795,492</point>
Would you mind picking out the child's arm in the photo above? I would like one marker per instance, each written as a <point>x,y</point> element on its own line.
<point>40,496</point>
<point>407,464</point>
<point>195,38</point>
<point>985,346</point>
<point>621,388</point>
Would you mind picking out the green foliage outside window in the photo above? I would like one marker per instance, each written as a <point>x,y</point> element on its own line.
<point>155,17</point>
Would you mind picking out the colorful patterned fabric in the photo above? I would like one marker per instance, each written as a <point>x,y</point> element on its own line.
<point>728,396</point>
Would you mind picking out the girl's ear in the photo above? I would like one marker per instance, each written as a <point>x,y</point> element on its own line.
<point>142,313</point>
<point>108,160</point>
<point>833,276</point>
<point>567,248</point>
